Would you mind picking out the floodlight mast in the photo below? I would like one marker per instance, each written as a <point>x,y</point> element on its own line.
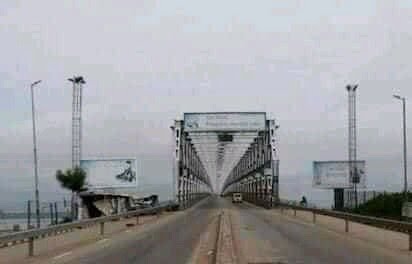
<point>352,144</point>
<point>77,82</point>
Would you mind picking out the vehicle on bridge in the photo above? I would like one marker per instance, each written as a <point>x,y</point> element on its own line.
<point>237,198</point>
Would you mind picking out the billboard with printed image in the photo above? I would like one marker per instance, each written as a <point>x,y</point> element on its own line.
<point>112,172</point>
<point>335,174</point>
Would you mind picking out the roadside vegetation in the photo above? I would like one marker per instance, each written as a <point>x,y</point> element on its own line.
<point>73,180</point>
<point>384,205</point>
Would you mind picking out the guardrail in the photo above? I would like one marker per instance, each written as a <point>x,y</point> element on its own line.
<point>393,225</point>
<point>30,235</point>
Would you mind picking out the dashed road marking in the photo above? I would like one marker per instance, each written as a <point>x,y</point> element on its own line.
<point>62,255</point>
<point>128,231</point>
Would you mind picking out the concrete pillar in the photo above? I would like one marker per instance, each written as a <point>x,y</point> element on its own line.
<point>266,192</point>
<point>177,132</point>
<point>80,209</point>
<point>101,228</point>
<point>119,206</point>
<point>31,247</point>
<point>184,191</point>
<point>255,182</point>
<point>410,241</point>
<point>179,192</point>
<point>274,158</point>
<point>346,225</point>
<point>191,189</point>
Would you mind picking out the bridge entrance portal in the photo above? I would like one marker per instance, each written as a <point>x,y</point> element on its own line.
<point>226,152</point>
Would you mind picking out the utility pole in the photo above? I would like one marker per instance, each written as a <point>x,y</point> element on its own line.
<point>36,176</point>
<point>51,213</point>
<point>56,214</point>
<point>405,160</point>
<point>28,214</point>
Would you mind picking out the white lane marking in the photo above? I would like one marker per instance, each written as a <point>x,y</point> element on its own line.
<point>103,240</point>
<point>128,231</point>
<point>63,255</point>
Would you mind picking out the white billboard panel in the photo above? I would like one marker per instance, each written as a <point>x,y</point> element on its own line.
<point>224,121</point>
<point>407,209</point>
<point>335,174</point>
<point>121,172</point>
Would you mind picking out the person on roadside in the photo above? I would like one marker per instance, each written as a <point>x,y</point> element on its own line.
<point>303,202</point>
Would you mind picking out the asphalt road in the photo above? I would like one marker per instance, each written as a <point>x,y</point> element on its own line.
<point>260,236</point>
<point>171,243</point>
<point>267,238</point>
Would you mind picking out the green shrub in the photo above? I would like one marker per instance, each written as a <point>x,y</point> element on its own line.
<point>384,205</point>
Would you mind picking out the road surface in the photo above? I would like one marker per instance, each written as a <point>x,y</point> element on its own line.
<point>259,236</point>
<point>265,237</point>
<point>172,242</point>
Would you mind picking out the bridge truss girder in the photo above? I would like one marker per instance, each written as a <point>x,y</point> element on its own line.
<point>191,181</point>
<point>256,175</point>
<point>247,162</point>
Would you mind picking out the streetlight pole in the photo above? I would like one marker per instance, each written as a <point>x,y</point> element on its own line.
<point>405,162</point>
<point>36,176</point>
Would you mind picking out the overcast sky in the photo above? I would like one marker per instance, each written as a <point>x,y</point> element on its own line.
<point>147,62</point>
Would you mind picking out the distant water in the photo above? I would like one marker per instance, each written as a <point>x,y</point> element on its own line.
<point>164,191</point>
<point>16,181</point>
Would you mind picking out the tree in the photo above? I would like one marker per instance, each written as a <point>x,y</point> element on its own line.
<point>73,180</point>
<point>387,205</point>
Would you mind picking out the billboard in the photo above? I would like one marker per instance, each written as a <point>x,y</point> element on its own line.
<point>246,121</point>
<point>407,210</point>
<point>120,172</point>
<point>335,174</point>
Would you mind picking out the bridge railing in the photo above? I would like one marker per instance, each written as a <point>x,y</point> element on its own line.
<point>30,235</point>
<point>393,225</point>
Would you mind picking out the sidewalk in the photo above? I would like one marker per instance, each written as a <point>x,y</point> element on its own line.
<point>50,246</point>
<point>385,238</point>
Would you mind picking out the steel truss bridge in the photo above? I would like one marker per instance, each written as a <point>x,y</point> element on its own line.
<point>219,153</point>
<point>226,152</point>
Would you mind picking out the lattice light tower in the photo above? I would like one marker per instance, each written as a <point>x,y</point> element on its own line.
<point>78,82</point>
<point>353,172</point>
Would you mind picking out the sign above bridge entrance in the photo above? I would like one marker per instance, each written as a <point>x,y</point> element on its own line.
<point>235,121</point>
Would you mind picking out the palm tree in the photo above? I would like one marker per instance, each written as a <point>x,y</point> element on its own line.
<point>73,180</point>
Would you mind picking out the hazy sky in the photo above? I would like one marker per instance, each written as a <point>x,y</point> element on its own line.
<point>147,62</point>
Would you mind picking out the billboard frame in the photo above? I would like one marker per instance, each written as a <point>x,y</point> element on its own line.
<point>350,185</point>
<point>223,130</point>
<point>97,187</point>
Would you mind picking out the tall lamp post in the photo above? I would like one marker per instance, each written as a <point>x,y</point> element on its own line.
<point>36,176</point>
<point>352,145</point>
<point>405,162</point>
